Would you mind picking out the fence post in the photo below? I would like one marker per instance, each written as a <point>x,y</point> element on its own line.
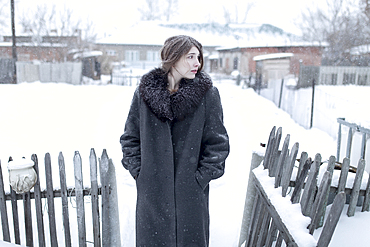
<point>312,102</point>
<point>281,91</point>
<point>249,200</point>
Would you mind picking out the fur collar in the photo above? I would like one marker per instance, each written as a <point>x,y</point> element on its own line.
<point>176,106</point>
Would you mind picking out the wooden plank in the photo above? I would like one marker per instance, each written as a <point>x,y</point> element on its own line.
<point>63,191</point>
<point>288,169</point>
<point>349,143</point>
<point>310,187</point>
<point>257,219</point>
<point>262,215</point>
<point>343,175</point>
<point>269,148</point>
<point>95,198</point>
<point>79,199</point>
<point>253,219</point>
<point>332,220</point>
<point>275,153</point>
<point>279,167</point>
<point>319,203</point>
<point>104,166</point>
<point>302,161</point>
<point>38,204</point>
<point>264,229</point>
<point>356,188</point>
<point>50,201</point>
<point>3,210</point>
<point>300,181</point>
<point>15,216</point>
<point>283,230</point>
<point>366,204</point>
<point>28,219</point>
<point>271,235</point>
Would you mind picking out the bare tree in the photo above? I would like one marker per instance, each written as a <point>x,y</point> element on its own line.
<point>151,11</point>
<point>4,14</point>
<point>154,10</point>
<point>340,25</point>
<point>46,21</point>
<point>232,13</point>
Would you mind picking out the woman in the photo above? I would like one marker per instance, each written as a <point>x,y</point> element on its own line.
<point>174,144</point>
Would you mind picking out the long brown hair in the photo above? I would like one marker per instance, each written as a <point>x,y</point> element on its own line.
<point>177,46</point>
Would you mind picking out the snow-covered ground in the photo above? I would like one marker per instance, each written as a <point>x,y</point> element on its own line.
<point>49,117</point>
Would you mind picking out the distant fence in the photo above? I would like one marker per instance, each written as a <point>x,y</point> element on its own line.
<point>125,79</point>
<point>68,72</point>
<point>105,232</point>
<point>264,223</point>
<point>6,70</point>
<point>333,75</point>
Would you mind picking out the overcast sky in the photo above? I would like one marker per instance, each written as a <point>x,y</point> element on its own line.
<point>110,15</point>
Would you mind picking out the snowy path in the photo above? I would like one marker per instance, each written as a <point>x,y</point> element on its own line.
<point>49,117</point>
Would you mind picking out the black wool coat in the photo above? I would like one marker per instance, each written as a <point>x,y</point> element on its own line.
<point>174,145</point>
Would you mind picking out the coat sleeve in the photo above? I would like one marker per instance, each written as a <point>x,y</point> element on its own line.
<point>130,140</point>
<point>215,141</point>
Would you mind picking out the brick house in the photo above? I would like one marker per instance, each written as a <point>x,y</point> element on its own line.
<point>242,58</point>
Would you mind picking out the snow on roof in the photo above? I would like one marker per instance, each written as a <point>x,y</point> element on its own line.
<point>209,34</point>
<point>272,56</point>
<point>359,50</point>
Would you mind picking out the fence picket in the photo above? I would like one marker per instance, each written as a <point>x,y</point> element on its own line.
<point>319,203</point>
<point>288,169</point>
<point>77,162</point>
<point>310,187</point>
<point>280,165</point>
<point>28,219</point>
<point>302,161</point>
<point>332,220</point>
<point>269,148</point>
<point>3,210</point>
<point>63,195</point>
<point>300,181</point>
<point>366,204</point>
<point>95,198</point>
<point>343,175</point>
<point>14,201</point>
<point>356,188</point>
<point>104,166</point>
<point>50,201</point>
<point>275,153</point>
<point>38,204</point>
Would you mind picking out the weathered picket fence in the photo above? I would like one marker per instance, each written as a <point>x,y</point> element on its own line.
<point>262,222</point>
<point>105,231</point>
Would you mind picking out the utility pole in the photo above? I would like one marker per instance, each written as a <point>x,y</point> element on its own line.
<point>14,48</point>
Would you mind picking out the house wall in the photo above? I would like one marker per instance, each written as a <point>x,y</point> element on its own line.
<point>40,53</point>
<point>304,55</point>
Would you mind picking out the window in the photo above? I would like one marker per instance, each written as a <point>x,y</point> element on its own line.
<point>152,56</point>
<point>111,52</point>
<point>132,56</point>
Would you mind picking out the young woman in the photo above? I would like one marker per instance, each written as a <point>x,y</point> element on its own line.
<point>174,144</point>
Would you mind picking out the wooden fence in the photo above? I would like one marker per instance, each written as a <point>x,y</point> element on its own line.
<point>262,222</point>
<point>106,190</point>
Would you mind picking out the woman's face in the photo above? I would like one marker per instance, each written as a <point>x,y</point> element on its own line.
<point>188,65</point>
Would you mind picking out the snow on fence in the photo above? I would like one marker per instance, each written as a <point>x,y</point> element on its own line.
<point>270,215</point>
<point>106,190</point>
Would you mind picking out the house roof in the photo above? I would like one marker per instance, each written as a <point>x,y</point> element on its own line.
<point>272,56</point>
<point>209,34</point>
